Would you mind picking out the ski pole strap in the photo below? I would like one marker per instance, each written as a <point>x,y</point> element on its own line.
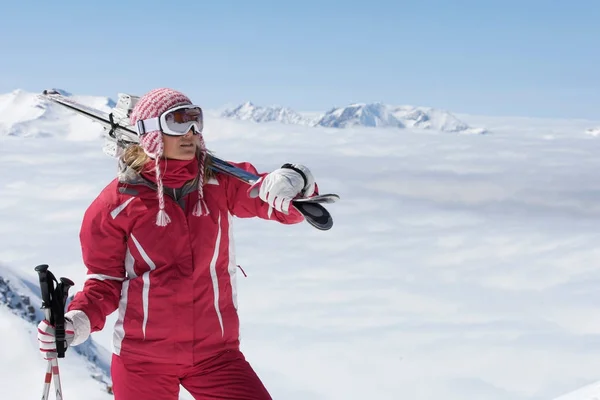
<point>58,305</point>
<point>59,326</point>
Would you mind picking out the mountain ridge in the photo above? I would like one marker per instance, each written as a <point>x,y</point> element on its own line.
<point>373,115</point>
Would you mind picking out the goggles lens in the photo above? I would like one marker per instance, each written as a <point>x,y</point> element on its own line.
<point>180,120</point>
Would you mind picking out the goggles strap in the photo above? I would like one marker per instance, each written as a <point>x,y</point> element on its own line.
<point>147,125</point>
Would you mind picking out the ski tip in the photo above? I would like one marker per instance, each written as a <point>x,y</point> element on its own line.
<point>316,215</point>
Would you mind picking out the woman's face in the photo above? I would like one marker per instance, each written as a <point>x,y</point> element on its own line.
<point>180,147</point>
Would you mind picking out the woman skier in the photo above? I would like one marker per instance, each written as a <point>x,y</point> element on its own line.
<point>157,244</point>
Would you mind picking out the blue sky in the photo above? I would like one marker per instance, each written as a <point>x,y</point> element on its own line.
<point>528,57</point>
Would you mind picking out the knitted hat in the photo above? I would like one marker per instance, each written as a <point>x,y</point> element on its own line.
<point>152,105</point>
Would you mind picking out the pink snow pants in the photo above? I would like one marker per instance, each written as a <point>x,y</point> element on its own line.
<point>227,376</point>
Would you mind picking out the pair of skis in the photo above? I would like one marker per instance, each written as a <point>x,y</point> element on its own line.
<point>120,134</point>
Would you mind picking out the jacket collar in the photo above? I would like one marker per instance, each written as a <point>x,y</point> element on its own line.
<point>129,177</point>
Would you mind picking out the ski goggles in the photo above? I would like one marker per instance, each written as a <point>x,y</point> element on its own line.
<point>175,122</point>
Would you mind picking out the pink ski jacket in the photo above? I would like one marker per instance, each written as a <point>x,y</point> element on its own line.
<point>174,286</point>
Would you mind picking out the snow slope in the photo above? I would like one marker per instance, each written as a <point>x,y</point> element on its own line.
<point>588,392</point>
<point>459,266</point>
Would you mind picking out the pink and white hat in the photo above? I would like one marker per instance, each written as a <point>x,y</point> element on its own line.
<point>152,105</point>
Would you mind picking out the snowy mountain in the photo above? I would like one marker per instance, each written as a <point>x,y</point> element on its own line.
<point>382,115</point>
<point>250,112</point>
<point>593,131</point>
<point>358,115</point>
<point>24,114</point>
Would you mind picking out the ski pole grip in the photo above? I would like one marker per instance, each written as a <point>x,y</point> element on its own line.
<point>65,285</point>
<point>42,271</point>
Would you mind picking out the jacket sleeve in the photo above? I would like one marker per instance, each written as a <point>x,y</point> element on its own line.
<point>242,205</point>
<point>103,246</point>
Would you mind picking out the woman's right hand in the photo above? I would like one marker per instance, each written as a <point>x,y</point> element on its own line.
<point>77,330</point>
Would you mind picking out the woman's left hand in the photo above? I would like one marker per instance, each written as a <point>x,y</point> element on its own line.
<point>281,186</point>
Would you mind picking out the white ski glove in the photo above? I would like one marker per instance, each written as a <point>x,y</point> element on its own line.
<point>77,330</point>
<point>281,186</point>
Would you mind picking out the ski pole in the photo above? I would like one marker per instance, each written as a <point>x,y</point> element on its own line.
<point>46,288</point>
<point>53,304</point>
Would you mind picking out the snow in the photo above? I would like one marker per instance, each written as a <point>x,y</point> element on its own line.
<point>458,267</point>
